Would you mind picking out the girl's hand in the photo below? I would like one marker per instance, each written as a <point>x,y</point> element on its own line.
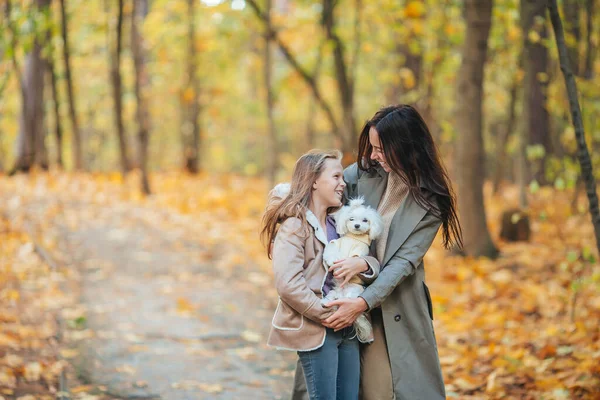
<point>347,312</point>
<point>347,268</point>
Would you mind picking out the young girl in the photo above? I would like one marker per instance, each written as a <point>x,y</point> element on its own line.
<point>330,359</point>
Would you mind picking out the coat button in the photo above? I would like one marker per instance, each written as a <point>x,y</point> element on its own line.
<point>397,317</point>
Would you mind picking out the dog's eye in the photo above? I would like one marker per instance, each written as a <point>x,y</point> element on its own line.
<point>365,220</point>
<point>352,219</point>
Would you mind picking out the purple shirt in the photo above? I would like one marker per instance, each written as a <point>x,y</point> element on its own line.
<point>331,235</point>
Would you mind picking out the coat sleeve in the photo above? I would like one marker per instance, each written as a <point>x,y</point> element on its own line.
<point>288,268</point>
<point>372,271</point>
<point>404,263</point>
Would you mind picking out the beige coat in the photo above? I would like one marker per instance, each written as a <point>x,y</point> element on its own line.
<point>299,277</point>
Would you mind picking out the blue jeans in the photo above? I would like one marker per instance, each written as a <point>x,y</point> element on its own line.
<point>333,370</point>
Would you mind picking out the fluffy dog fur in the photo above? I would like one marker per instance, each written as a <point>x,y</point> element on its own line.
<point>357,225</point>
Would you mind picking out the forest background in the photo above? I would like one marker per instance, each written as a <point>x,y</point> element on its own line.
<point>190,106</point>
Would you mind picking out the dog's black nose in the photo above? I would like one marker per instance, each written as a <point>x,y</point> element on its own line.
<point>356,226</point>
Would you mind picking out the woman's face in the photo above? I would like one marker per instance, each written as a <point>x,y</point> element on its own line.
<point>377,153</point>
<point>329,186</point>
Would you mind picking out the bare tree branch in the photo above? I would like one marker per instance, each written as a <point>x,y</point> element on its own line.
<point>306,76</point>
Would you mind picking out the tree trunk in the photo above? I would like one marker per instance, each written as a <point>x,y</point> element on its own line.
<point>469,121</point>
<point>344,83</point>
<point>574,29</point>
<point>505,130</point>
<point>583,154</point>
<point>58,131</point>
<point>139,12</point>
<point>588,72</point>
<point>272,148</point>
<point>31,148</point>
<point>535,115</point>
<point>190,129</point>
<point>31,121</point>
<point>77,145</point>
<point>522,169</point>
<point>117,92</point>
<point>23,145</point>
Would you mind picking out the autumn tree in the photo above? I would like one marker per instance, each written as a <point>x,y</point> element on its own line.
<point>117,89</point>
<point>76,134</point>
<point>344,80</point>
<point>583,154</point>
<point>408,53</point>
<point>272,151</point>
<point>573,28</point>
<point>31,148</point>
<point>51,73</point>
<point>535,63</point>
<point>142,83</point>
<point>589,45</point>
<point>503,130</point>
<point>344,85</point>
<point>190,127</point>
<point>469,123</point>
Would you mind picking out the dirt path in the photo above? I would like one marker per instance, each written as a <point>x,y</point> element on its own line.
<point>167,315</point>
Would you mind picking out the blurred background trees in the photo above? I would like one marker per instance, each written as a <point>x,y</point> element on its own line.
<point>247,86</point>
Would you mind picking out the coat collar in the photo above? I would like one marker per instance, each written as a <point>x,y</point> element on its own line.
<point>311,218</point>
<point>409,214</point>
<point>376,183</point>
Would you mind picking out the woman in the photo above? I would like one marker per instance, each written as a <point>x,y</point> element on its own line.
<point>399,172</point>
<point>330,358</point>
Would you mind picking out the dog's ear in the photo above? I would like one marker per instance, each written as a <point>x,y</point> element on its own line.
<point>341,217</point>
<point>376,224</point>
<point>279,192</point>
<point>357,202</point>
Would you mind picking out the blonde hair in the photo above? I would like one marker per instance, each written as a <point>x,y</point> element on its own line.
<point>280,207</point>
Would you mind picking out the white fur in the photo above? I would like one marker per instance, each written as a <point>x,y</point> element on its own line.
<point>357,225</point>
<point>281,190</point>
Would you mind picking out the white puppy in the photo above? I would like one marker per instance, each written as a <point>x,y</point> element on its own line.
<point>357,225</point>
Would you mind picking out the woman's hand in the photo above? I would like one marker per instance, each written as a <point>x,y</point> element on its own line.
<point>347,312</point>
<point>347,268</point>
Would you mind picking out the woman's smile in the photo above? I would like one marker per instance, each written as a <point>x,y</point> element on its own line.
<point>377,153</point>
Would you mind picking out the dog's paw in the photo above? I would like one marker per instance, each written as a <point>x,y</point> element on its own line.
<point>329,261</point>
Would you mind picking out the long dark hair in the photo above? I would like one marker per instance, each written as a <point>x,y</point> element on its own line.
<point>410,152</point>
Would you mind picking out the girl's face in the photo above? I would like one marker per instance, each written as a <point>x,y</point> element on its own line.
<point>329,186</point>
<point>377,153</point>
